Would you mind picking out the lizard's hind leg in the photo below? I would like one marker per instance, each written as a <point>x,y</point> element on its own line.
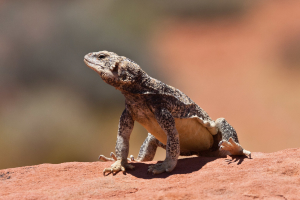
<point>148,149</point>
<point>229,142</point>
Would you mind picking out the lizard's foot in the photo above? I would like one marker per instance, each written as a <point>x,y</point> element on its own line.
<point>234,148</point>
<point>165,166</point>
<point>118,166</point>
<point>113,157</point>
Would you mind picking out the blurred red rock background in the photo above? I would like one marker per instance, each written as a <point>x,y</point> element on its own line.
<point>236,59</point>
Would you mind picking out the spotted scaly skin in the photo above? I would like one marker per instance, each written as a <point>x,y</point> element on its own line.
<point>173,120</point>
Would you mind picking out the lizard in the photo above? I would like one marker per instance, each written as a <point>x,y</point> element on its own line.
<point>173,121</point>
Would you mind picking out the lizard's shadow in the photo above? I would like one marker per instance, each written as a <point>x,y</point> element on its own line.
<point>184,166</point>
<point>236,159</point>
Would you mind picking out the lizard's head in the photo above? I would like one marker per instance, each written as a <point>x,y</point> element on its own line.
<point>115,70</point>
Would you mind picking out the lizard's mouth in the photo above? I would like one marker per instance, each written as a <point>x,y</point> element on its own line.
<point>87,62</point>
<point>92,65</point>
<point>98,67</point>
<point>101,69</point>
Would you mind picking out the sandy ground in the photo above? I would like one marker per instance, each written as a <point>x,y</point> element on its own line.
<point>265,176</point>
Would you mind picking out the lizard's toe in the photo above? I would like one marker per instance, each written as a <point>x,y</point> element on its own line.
<point>247,153</point>
<point>158,171</point>
<point>131,158</point>
<point>109,170</point>
<point>233,148</point>
<point>166,166</point>
<point>129,166</point>
<point>117,166</point>
<point>114,157</point>
<point>226,145</point>
<point>116,169</point>
<point>104,158</point>
<point>233,143</point>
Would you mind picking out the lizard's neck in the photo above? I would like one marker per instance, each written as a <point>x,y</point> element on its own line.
<point>146,85</point>
<point>152,86</point>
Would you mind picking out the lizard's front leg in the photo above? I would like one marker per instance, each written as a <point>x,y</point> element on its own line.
<point>122,146</point>
<point>167,123</point>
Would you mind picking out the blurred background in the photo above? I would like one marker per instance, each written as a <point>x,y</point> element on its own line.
<point>236,59</point>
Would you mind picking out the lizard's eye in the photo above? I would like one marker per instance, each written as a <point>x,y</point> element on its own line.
<point>101,56</point>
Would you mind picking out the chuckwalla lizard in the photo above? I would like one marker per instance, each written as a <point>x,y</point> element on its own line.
<point>173,121</point>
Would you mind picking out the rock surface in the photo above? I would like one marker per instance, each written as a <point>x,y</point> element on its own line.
<point>265,176</point>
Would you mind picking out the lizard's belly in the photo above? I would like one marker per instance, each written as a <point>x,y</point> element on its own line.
<point>192,135</point>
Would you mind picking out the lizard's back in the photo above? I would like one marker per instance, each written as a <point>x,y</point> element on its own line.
<point>189,118</point>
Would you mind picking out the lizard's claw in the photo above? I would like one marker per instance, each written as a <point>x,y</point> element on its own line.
<point>117,166</point>
<point>165,166</point>
<point>234,148</point>
<point>113,157</point>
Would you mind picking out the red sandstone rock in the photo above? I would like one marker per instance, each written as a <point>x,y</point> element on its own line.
<point>265,176</point>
